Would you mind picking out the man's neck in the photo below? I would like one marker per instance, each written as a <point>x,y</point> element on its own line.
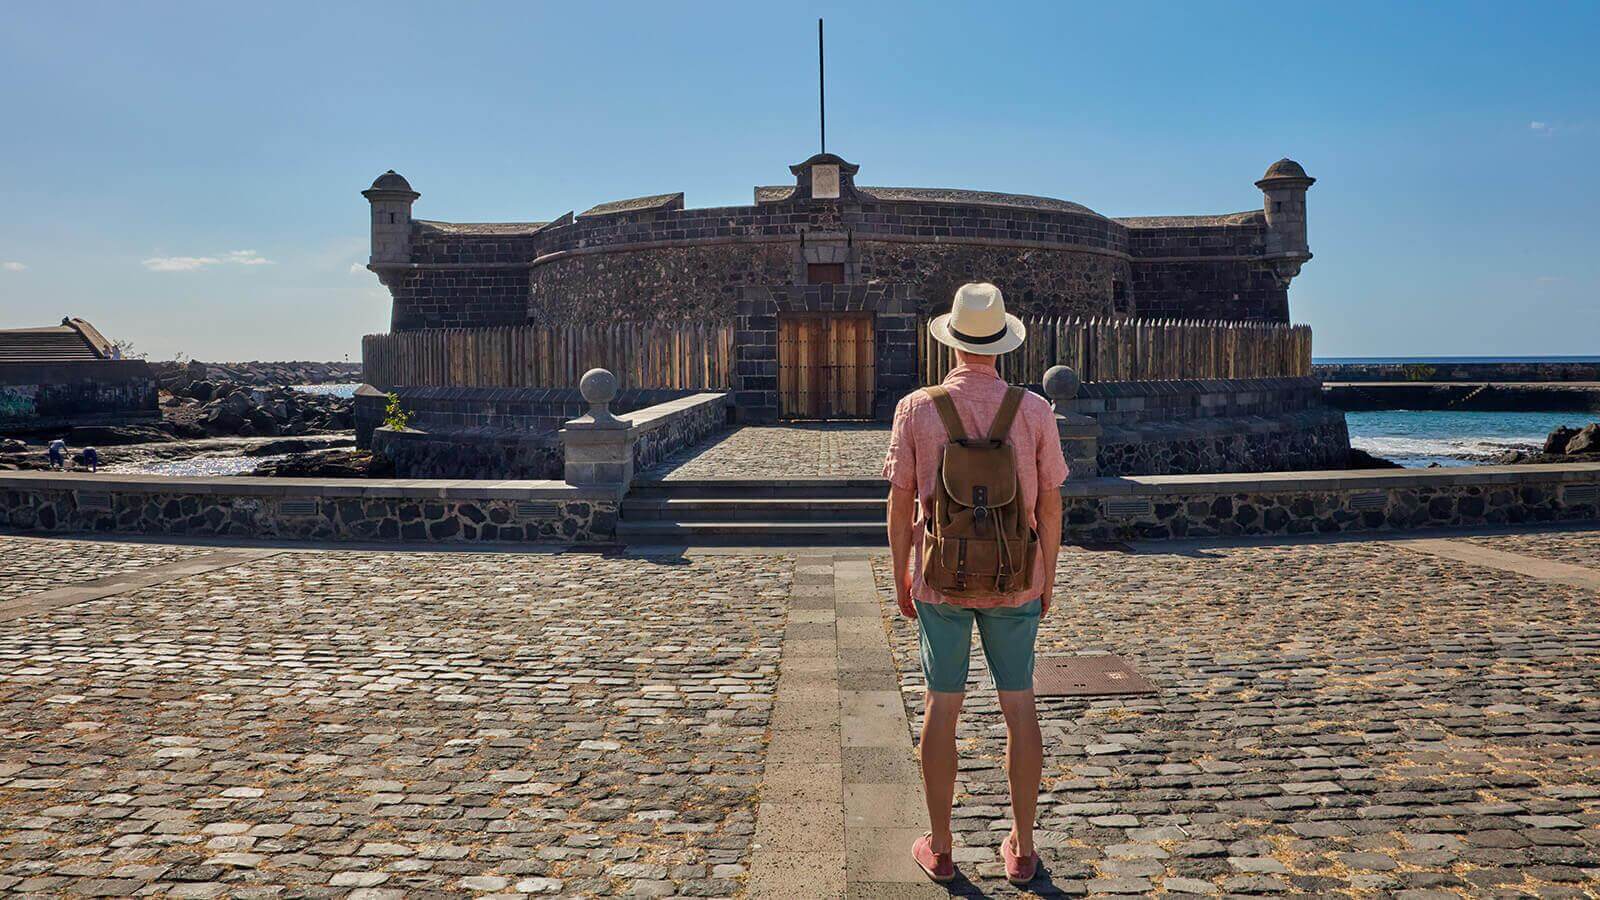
<point>975,361</point>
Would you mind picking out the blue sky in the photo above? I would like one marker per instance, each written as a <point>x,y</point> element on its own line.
<point>186,175</point>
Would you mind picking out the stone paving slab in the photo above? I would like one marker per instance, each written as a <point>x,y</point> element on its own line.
<point>1580,548</point>
<point>800,450</point>
<point>31,565</point>
<point>379,724</point>
<point>1334,719</point>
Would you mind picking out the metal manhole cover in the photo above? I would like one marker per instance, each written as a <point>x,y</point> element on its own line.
<point>1087,676</point>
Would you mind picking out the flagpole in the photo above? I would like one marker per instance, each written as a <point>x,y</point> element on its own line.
<point>822,97</point>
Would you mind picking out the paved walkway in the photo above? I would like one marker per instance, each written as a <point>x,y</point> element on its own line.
<point>800,450</point>
<point>1409,717</point>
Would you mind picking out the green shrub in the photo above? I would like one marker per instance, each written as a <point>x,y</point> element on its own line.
<point>395,416</point>
<point>1417,371</point>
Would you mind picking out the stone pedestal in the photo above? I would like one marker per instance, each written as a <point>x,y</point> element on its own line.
<point>1080,434</point>
<point>598,446</point>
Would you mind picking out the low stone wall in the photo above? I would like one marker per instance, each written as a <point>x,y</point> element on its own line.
<point>471,453</point>
<point>1307,439</point>
<point>1159,507</point>
<point>319,509</point>
<point>1507,371</point>
<point>1553,396</point>
<point>662,430</point>
<point>50,395</point>
<point>1186,427</point>
<point>450,409</point>
<point>1121,403</point>
<point>657,431</point>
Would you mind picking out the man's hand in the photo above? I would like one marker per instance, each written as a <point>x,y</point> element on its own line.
<point>1046,596</point>
<point>902,502</point>
<point>902,595</point>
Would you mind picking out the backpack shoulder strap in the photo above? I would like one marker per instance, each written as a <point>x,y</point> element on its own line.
<point>1007,413</point>
<point>947,412</point>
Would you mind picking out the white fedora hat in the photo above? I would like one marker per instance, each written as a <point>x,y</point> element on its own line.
<point>978,322</point>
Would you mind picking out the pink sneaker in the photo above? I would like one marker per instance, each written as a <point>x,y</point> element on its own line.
<point>1019,871</point>
<point>941,867</point>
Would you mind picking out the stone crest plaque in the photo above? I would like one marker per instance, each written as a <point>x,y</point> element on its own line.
<point>825,182</point>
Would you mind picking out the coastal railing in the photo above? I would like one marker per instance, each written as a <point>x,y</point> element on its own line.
<point>539,356</point>
<point>1141,350</point>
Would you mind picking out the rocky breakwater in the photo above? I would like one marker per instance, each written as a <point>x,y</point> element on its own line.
<point>174,374</point>
<point>227,408</point>
<point>1563,444</point>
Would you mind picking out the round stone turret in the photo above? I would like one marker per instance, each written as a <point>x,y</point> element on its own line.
<point>391,197</point>
<point>1283,192</point>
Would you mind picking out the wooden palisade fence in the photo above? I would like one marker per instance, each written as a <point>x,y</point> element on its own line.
<point>1141,350</point>
<point>701,357</point>
<point>640,355</point>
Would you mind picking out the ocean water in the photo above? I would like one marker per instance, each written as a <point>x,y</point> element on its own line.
<point>1416,438</point>
<point>333,390</point>
<point>1448,360</point>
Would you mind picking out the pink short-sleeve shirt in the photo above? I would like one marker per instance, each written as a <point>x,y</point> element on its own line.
<point>918,439</point>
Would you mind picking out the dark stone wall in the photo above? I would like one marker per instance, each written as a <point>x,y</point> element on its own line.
<point>665,264</point>
<point>1036,281</point>
<point>1205,272</point>
<point>1311,440</point>
<point>44,395</point>
<point>667,284</point>
<point>249,511</point>
<point>1360,503</point>
<point>1451,371</point>
<point>459,298</point>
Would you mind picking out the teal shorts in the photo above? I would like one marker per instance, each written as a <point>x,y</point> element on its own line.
<point>1007,633</point>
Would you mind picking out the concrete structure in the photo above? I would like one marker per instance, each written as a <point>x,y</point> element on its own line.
<point>65,375</point>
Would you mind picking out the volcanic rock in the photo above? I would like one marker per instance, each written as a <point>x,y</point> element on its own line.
<point>1556,441</point>
<point>1585,442</point>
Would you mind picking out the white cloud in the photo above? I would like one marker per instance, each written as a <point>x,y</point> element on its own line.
<point>190,263</point>
<point>179,263</point>
<point>358,269</point>
<point>1543,129</point>
<point>12,266</point>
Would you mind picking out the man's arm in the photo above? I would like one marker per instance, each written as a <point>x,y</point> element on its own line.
<point>1047,512</point>
<point>902,505</point>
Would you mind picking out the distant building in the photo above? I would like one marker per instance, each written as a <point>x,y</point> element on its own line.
<point>63,375</point>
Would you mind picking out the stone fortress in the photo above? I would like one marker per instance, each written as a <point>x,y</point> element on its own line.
<point>824,287</point>
<point>652,258</point>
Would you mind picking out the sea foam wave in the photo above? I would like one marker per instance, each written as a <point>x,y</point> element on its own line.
<point>1463,447</point>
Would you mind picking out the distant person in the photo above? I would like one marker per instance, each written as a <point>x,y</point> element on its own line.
<point>91,459</point>
<point>58,454</point>
<point>989,504</point>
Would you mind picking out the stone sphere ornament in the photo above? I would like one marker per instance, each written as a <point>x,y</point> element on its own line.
<point>599,388</point>
<point>1060,385</point>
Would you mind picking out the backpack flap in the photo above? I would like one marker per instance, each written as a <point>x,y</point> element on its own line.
<point>979,474</point>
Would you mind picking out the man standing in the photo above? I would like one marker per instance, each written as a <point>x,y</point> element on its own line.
<point>974,401</point>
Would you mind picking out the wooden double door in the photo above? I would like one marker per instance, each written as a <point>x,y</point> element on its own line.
<point>826,366</point>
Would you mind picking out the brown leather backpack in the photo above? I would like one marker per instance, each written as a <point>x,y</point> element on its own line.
<point>976,540</point>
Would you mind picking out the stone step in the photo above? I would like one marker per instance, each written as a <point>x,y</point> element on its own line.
<point>757,488</point>
<point>772,509</point>
<point>755,533</point>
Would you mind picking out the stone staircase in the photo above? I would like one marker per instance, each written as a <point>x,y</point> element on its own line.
<point>756,512</point>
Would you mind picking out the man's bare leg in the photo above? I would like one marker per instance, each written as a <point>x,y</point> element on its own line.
<point>1024,765</point>
<point>939,763</point>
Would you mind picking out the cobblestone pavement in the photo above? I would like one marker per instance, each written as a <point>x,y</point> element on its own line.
<point>372,724</point>
<point>1343,718</point>
<point>32,565</point>
<point>789,451</point>
<point>1581,548</point>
